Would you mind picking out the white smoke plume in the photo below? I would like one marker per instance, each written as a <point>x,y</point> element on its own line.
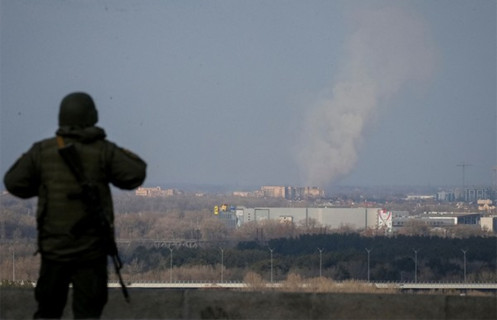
<point>388,48</point>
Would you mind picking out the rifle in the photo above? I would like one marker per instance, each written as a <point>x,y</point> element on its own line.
<point>95,213</point>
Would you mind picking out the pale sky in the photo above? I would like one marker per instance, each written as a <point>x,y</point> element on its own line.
<point>250,93</point>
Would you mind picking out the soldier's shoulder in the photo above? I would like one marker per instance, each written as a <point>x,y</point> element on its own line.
<point>124,151</point>
<point>129,153</point>
<point>49,140</point>
<point>43,143</point>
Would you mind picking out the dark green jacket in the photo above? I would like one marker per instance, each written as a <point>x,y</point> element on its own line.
<point>42,172</point>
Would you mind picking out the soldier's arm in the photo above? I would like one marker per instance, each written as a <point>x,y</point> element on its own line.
<point>127,170</point>
<point>21,179</point>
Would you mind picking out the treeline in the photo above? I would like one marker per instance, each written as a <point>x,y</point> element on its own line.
<point>335,256</point>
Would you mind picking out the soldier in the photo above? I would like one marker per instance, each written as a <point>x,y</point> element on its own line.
<point>71,241</point>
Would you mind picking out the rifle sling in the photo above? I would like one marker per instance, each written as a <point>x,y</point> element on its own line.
<point>71,157</point>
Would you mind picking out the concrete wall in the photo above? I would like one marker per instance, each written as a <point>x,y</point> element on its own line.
<point>224,304</point>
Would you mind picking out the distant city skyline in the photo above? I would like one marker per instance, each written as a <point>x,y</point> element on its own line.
<point>250,93</point>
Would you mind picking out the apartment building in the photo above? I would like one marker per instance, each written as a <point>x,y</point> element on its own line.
<point>292,193</point>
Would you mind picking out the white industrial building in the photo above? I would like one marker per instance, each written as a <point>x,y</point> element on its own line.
<point>355,218</point>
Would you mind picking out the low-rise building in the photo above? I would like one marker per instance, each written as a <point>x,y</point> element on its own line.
<point>154,192</point>
<point>489,223</point>
<point>485,205</point>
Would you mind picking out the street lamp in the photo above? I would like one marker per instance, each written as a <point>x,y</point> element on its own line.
<point>13,264</point>
<point>320,262</point>
<point>271,251</point>
<point>369,252</point>
<point>415,265</point>
<point>171,265</point>
<point>464,253</point>
<point>222,264</point>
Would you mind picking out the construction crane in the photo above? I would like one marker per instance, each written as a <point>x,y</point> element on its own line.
<point>463,166</point>
<point>494,169</point>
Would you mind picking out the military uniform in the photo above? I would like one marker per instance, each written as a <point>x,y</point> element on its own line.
<point>70,257</point>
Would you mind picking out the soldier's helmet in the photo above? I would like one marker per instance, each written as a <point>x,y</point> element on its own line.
<point>77,110</point>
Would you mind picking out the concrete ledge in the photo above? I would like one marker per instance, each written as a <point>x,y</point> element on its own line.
<point>18,303</point>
